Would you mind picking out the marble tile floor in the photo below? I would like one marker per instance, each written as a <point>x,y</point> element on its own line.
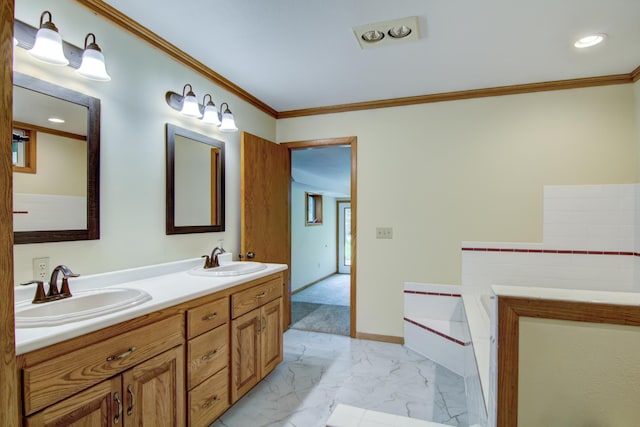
<point>320,371</point>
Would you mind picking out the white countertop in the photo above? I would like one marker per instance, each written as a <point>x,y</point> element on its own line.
<point>574,295</point>
<point>168,284</point>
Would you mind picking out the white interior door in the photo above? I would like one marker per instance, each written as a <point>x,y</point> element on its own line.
<point>344,237</point>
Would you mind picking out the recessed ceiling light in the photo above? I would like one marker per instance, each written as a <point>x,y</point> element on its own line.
<point>373,36</point>
<point>590,40</point>
<point>387,33</point>
<point>55,120</point>
<point>399,32</point>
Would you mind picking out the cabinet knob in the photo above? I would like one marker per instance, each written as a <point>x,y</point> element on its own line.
<point>211,355</point>
<point>122,355</point>
<point>116,398</point>
<point>210,403</point>
<point>210,317</point>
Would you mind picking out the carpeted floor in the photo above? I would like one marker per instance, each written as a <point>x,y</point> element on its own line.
<point>323,307</point>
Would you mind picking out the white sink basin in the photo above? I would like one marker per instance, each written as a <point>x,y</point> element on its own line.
<point>82,305</point>
<point>231,269</point>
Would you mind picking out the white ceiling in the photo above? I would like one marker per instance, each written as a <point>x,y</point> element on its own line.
<point>296,54</point>
<point>325,170</point>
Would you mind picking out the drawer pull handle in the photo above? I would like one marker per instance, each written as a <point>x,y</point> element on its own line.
<point>133,400</point>
<point>261,295</point>
<point>210,317</point>
<point>116,398</point>
<point>121,356</point>
<point>210,403</point>
<point>211,355</point>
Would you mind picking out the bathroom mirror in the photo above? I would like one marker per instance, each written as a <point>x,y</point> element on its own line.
<point>195,182</point>
<point>57,198</point>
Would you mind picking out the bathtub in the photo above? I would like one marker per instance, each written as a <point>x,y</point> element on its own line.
<point>452,329</point>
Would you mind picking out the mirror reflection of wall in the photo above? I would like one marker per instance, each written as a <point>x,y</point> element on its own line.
<point>196,182</point>
<point>56,146</point>
<point>54,196</point>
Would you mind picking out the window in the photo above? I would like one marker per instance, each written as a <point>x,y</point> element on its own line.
<point>23,150</point>
<point>313,209</point>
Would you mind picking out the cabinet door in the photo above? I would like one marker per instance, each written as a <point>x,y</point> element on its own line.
<point>245,359</point>
<point>98,406</point>
<point>270,336</point>
<point>154,391</point>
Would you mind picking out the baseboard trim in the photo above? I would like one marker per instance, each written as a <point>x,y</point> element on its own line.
<point>313,283</point>
<point>382,338</point>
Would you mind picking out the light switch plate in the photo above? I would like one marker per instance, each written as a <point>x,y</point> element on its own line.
<point>384,233</point>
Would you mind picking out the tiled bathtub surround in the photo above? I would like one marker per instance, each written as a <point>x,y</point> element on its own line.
<point>590,241</point>
<point>437,324</point>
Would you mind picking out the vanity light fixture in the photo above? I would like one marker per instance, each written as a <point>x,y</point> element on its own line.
<point>590,40</point>
<point>190,106</point>
<point>210,115</point>
<point>48,45</point>
<point>187,104</point>
<point>92,66</point>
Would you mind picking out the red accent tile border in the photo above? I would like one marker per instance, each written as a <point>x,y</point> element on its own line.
<point>551,251</point>
<point>438,294</point>
<point>420,325</point>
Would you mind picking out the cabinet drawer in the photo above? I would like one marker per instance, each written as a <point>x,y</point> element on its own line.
<point>245,301</point>
<point>207,316</point>
<point>207,354</point>
<point>209,400</point>
<point>51,381</point>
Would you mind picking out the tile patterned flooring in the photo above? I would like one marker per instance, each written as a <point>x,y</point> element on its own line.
<point>320,371</point>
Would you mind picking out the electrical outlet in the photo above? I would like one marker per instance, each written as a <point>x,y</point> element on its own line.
<point>384,233</point>
<point>41,268</point>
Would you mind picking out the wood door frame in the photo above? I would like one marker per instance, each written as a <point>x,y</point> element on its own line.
<point>9,411</point>
<point>351,141</point>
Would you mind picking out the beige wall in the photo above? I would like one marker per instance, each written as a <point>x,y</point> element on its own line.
<point>61,168</point>
<point>578,374</point>
<point>134,113</point>
<point>447,172</point>
<point>313,248</point>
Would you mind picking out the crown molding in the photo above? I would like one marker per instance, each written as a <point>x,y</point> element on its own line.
<point>467,94</point>
<point>135,28</point>
<point>635,74</point>
<point>108,12</point>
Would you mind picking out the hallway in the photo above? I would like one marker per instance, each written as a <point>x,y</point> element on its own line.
<point>324,306</point>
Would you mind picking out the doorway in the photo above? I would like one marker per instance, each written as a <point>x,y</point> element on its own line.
<point>331,295</point>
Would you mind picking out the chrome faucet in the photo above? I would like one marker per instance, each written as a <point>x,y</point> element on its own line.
<point>211,261</point>
<point>53,292</point>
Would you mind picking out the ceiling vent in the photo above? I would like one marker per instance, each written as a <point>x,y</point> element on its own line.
<point>387,33</point>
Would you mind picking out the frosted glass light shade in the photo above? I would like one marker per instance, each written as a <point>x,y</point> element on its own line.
<point>48,47</point>
<point>190,107</point>
<point>228,123</point>
<point>210,116</point>
<point>92,66</point>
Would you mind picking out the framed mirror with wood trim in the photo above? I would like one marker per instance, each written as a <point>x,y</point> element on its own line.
<point>194,182</point>
<point>56,180</point>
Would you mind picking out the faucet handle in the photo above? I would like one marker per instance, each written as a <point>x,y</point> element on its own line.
<point>65,292</point>
<point>40,296</point>
<point>207,261</point>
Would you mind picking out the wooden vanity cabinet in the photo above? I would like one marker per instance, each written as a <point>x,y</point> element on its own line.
<point>256,335</point>
<point>208,361</point>
<point>132,380</point>
<point>183,365</point>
